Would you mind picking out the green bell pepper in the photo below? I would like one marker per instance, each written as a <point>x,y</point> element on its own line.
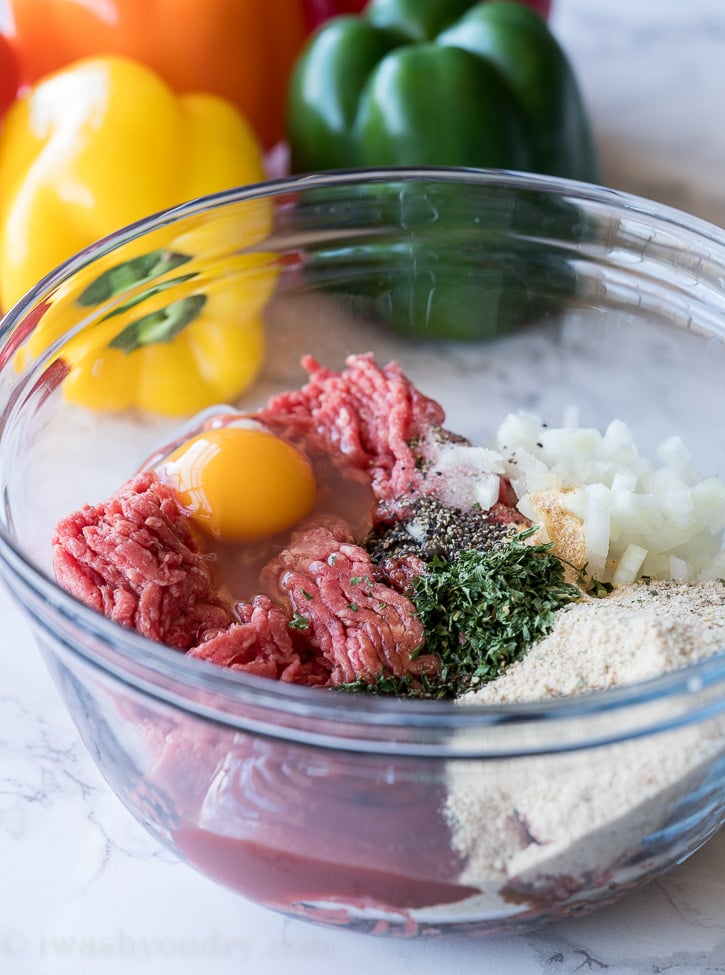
<point>436,257</point>
<point>439,83</point>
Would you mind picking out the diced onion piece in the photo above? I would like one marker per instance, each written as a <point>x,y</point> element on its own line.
<point>596,534</point>
<point>635,514</point>
<point>486,491</point>
<point>709,498</point>
<point>624,481</point>
<point>534,472</point>
<point>656,565</point>
<point>678,569</point>
<point>674,454</point>
<point>669,538</point>
<point>629,565</point>
<point>618,440</point>
<point>715,568</point>
<point>576,502</point>
<point>680,508</point>
<point>570,442</point>
<point>663,481</point>
<point>519,430</point>
<point>527,509</point>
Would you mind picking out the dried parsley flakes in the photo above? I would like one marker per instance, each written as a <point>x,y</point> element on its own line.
<point>482,610</point>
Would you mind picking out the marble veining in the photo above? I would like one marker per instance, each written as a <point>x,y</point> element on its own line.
<point>85,890</point>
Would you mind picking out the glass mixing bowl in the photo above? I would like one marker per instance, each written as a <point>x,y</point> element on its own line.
<point>496,292</point>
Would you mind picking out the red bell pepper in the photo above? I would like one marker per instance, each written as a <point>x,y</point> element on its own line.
<point>317,11</point>
<point>8,75</point>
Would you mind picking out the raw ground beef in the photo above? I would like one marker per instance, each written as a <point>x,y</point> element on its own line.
<point>373,416</point>
<point>135,559</point>
<point>263,643</point>
<point>361,626</point>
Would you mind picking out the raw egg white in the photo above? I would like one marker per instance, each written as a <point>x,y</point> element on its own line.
<point>241,484</point>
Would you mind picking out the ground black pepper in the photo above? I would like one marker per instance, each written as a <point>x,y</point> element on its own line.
<point>429,528</point>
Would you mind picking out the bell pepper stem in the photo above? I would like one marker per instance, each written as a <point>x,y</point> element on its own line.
<point>159,326</point>
<point>120,278</point>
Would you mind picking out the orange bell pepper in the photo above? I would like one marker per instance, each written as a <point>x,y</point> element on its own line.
<point>240,49</point>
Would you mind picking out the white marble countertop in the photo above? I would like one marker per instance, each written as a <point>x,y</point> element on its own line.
<point>84,890</point>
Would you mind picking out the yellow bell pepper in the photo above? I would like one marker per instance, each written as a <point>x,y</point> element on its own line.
<point>171,322</point>
<point>98,145</point>
<point>176,315</point>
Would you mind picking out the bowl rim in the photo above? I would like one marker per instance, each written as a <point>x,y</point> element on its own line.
<point>356,722</point>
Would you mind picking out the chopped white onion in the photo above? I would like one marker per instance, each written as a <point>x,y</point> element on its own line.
<point>629,565</point>
<point>674,454</point>
<point>624,481</point>
<point>486,490</point>
<point>679,569</point>
<point>596,536</point>
<point>637,518</point>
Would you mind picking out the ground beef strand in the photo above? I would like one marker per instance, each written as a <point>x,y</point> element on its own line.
<point>361,626</point>
<point>263,643</point>
<point>134,559</point>
<point>372,415</point>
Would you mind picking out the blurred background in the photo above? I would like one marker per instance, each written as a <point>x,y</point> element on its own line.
<point>653,78</point>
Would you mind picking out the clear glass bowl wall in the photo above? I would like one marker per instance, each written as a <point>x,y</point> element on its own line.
<point>396,817</point>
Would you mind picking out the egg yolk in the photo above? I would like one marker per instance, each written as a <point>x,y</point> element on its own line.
<point>241,484</point>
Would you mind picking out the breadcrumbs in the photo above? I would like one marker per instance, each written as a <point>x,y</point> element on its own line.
<point>634,633</point>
